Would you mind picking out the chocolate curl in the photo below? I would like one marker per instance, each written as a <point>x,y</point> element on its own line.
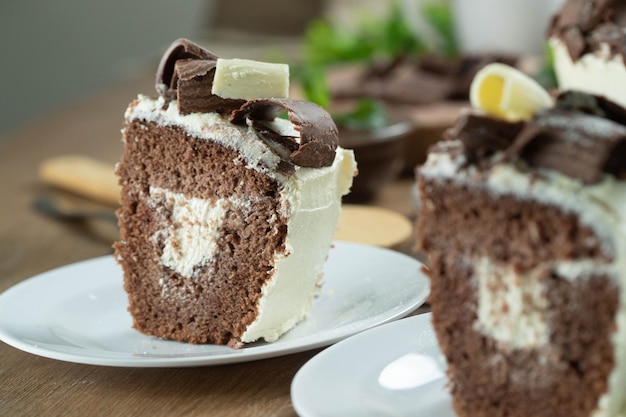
<point>578,145</point>
<point>575,42</point>
<point>166,78</point>
<point>583,137</point>
<point>195,81</point>
<point>186,74</point>
<point>585,15</point>
<point>610,34</point>
<point>581,26</point>
<point>318,132</point>
<point>482,136</point>
<point>600,106</point>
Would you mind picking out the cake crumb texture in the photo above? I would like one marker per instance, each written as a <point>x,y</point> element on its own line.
<point>565,376</point>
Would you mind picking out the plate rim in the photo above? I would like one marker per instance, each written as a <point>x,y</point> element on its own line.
<point>262,351</point>
<point>415,322</point>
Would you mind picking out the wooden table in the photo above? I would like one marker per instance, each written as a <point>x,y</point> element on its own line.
<point>31,243</point>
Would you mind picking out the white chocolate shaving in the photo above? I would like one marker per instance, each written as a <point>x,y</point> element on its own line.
<point>245,79</point>
<point>505,92</point>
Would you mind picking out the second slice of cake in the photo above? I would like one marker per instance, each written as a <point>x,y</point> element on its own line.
<point>523,220</point>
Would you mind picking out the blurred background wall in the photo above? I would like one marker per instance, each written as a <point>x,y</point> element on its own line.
<point>55,52</point>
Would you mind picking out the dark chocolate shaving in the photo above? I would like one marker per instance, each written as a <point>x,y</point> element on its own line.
<point>188,69</point>
<point>583,137</point>
<point>576,144</point>
<point>591,104</point>
<point>318,132</point>
<point>482,136</point>
<point>186,73</point>
<point>195,81</point>
<point>575,42</point>
<point>610,34</point>
<point>285,167</point>
<point>166,79</point>
<point>266,131</point>
<point>579,101</point>
<point>583,25</point>
<point>281,145</point>
<point>195,78</point>
<point>584,14</point>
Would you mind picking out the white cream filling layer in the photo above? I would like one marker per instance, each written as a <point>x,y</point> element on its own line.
<point>191,239</point>
<point>596,73</point>
<point>510,307</point>
<point>311,196</point>
<point>601,206</point>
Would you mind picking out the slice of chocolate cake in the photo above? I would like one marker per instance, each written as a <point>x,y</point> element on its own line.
<point>227,210</point>
<point>523,222</point>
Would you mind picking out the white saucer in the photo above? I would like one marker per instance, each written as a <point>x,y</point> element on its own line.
<point>77,313</point>
<point>393,370</point>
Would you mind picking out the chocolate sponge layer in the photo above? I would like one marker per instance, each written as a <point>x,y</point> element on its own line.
<point>565,377</point>
<point>216,303</point>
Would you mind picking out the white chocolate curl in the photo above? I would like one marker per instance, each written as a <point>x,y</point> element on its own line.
<point>504,92</point>
<point>245,79</point>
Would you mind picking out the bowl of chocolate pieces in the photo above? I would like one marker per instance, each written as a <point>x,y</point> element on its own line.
<point>379,143</point>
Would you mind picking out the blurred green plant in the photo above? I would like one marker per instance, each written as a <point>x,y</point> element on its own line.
<point>374,39</point>
<point>439,16</point>
<point>367,114</point>
<point>546,75</point>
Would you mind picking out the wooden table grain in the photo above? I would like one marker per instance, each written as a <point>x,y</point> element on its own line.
<point>31,243</point>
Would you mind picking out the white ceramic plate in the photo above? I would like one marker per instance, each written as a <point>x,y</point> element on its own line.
<point>393,370</point>
<point>77,313</point>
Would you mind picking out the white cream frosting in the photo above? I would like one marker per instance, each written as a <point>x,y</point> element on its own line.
<point>191,239</point>
<point>600,206</point>
<point>311,197</point>
<point>314,197</point>
<point>511,307</point>
<point>595,72</point>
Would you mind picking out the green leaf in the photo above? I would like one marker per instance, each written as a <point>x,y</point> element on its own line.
<point>374,38</point>
<point>439,16</point>
<point>546,76</point>
<point>326,45</point>
<point>314,86</point>
<point>368,114</point>
<point>400,38</point>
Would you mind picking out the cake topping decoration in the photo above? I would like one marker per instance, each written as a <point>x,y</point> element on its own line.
<point>195,78</point>
<point>583,25</point>
<point>186,74</point>
<point>582,136</point>
<point>318,133</point>
<point>180,49</point>
<point>505,92</point>
<point>202,82</point>
<point>246,79</point>
<point>578,145</point>
<point>482,136</point>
